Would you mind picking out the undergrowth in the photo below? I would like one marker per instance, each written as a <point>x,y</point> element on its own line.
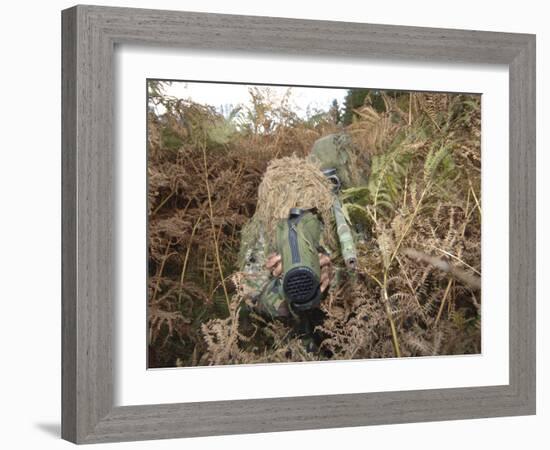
<point>417,289</point>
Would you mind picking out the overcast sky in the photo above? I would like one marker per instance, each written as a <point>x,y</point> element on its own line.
<point>218,95</point>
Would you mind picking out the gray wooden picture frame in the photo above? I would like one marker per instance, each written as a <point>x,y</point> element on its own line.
<point>90,34</point>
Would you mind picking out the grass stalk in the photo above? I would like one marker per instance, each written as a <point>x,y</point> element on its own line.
<point>187,252</point>
<point>445,295</point>
<point>395,339</point>
<point>214,237</point>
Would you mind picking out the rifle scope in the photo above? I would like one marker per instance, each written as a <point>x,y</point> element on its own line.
<point>298,244</point>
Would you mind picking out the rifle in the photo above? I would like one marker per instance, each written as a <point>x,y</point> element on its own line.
<point>345,236</point>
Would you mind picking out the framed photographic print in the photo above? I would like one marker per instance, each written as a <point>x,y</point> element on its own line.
<point>265,230</point>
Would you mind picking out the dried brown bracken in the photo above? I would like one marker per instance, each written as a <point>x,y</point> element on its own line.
<point>205,171</point>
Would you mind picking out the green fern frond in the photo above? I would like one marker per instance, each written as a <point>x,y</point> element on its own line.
<point>438,162</point>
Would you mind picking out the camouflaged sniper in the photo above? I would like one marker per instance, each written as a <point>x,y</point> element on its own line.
<point>332,154</point>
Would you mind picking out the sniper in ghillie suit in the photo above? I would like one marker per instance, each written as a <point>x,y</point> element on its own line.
<point>290,224</point>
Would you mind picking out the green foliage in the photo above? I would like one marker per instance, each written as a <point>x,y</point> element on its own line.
<point>377,99</point>
<point>170,139</point>
<point>439,165</point>
<point>356,214</point>
<point>355,98</point>
<point>334,112</point>
<point>358,195</point>
<point>155,89</point>
<point>221,131</point>
<point>387,180</point>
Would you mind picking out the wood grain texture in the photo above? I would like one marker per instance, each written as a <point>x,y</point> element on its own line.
<point>87,209</point>
<point>89,36</point>
<point>68,226</point>
<point>522,224</point>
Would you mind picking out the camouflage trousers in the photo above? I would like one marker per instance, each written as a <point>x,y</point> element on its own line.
<point>266,295</point>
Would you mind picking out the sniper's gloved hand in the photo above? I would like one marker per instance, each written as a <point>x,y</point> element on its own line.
<point>275,266</point>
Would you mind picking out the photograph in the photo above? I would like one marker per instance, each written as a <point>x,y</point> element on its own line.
<point>297,223</point>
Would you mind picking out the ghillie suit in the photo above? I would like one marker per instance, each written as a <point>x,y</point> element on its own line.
<point>308,190</point>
